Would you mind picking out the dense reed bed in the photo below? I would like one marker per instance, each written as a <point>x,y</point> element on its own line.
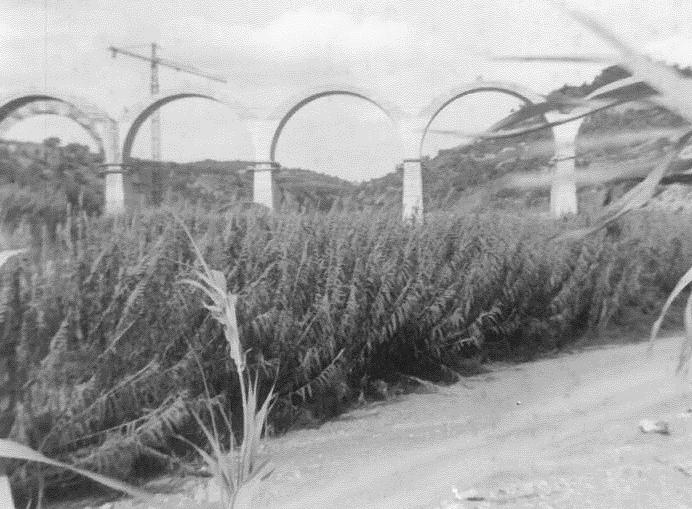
<point>107,351</point>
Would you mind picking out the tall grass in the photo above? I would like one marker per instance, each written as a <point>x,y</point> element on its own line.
<point>237,471</point>
<point>106,344</point>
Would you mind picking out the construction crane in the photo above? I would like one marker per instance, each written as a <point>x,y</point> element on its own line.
<point>155,61</point>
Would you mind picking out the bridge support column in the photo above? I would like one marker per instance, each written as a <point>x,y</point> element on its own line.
<point>563,192</point>
<point>411,133</point>
<point>114,189</point>
<point>114,180</point>
<point>5,491</point>
<point>412,191</point>
<point>263,185</point>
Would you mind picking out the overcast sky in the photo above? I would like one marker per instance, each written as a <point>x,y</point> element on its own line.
<point>270,50</point>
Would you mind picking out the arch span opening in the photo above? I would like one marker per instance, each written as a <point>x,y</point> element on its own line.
<point>454,126</point>
<point>287,112</point>
<point>193,129</point>
<point>23,109</point>
<point>456,121</point>
<point>198,138</point>
<point>340,135</point>
<point>143,112</point>
<point>436,110</point>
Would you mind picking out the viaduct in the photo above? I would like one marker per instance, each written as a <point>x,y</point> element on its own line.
<point>266,131</point>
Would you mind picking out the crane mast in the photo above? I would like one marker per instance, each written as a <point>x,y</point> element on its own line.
<point>155,61</point>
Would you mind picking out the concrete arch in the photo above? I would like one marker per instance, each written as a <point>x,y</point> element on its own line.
<point>433,110</point>
<point>92,119</point>
<point>289,108</point>
<point>144,110</point>
<point>55,108</point>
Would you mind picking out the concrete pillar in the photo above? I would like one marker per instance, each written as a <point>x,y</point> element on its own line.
<point>5,492</point>
<point>411,133</point>
<point>114,190</point>
<point>412,191</point>
<point>263,184</point>
<point>563,192</point>
<point>113,168</point>
<point>262,132</point>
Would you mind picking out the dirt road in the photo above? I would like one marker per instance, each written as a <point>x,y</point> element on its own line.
<point>558,432</point>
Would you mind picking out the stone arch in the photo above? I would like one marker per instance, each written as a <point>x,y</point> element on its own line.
<point>100,127</point>
<point>288,109</point>
<point>144,110</point>
<point>433,110</point>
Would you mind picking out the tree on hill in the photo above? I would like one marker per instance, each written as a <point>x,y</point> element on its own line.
<point>52,142</point>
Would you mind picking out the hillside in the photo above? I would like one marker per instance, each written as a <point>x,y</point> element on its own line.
<point>222,183</point>
<point>633,134</point>
<point>40,182</point>
<point>445,178</point>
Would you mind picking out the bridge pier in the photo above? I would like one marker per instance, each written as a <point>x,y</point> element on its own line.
<point>114,172</point>
<point>563,192</point>
<point>412,190</point>
<point>411,134</point>
<point>264,167</point>
<point>114,188</point>
<point>263,184</point>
